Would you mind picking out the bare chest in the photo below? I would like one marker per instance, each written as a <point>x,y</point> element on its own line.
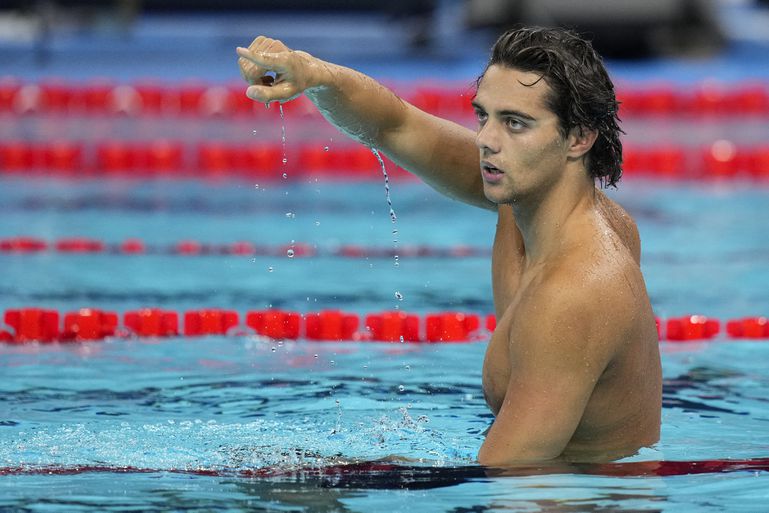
<point>497,364</point>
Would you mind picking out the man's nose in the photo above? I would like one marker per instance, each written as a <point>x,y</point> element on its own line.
<point>487,138</point>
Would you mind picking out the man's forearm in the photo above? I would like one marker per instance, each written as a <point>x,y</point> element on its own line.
<point>356,104</point>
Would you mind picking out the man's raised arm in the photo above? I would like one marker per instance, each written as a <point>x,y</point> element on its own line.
<point>440,152</point>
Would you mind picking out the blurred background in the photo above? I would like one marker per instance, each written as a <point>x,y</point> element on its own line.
<point>123,39</point>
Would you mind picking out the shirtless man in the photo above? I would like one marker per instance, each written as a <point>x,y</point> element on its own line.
<point>572,371</point>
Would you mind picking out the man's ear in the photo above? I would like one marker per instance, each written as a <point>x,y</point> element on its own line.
<point>580,141</point>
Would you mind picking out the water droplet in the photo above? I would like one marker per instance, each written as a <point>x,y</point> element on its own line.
<point>285,175</point>
<point>273,349</point>
<point>401,388</point>
<point>270,269</point>
<point>290,253</point>
<point>402,340</point>
<point>317,223</point>
<point>254,131</point>
<point>325,148</point>
<point>285,160</point>
<point>315,355</point>
<point>256,186</point>
<point>332,362</point>
<point>398,296</point>
<point>408,367</point>
<point>290,215</point>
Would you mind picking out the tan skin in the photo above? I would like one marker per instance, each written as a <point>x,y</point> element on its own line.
<point>572,371</point>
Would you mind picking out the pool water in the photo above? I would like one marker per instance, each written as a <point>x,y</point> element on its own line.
<point>238,422</point>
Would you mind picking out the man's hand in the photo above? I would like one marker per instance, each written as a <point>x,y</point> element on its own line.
<point>275,72</point>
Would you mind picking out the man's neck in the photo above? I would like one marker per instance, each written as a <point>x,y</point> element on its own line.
<point>544,220</point>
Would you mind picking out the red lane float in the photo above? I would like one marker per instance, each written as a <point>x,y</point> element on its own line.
<point>748,327</point>
<point>60,157</point>
<point>88,324</point>
<point>693,327</point>
<point>33,324</point>
<point>451,327</point>
<point>275,324</point>
<point>80,245</point>
<point>394,326</point>
<point>331,325</point>
<point>23,245</point>
<point>152,322</point>
<point>209,322</point>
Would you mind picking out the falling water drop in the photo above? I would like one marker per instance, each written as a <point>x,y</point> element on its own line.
<point>290,253</point>
<point>393,217</point>
<point>283,136</point>
<point>401,388</point>
<point>270,269</point>
<point>398,296</point>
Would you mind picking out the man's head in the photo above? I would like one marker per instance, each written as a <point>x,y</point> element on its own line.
<point>581,92</point>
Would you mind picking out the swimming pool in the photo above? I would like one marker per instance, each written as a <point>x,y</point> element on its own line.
<point>239,422</point>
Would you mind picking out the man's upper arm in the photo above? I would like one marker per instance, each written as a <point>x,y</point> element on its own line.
<point>440,152</point>
<point>556,359</point>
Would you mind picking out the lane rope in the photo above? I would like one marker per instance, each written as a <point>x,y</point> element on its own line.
<point>91,324</point>
<point>719,159</point>
<point>198,98</point>
<point>70,245</point>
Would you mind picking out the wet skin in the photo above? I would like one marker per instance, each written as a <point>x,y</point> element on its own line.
<point>572,370</point>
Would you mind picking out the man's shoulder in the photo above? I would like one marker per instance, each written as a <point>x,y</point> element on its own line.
<point>586,299</point>
<point>621,223</point>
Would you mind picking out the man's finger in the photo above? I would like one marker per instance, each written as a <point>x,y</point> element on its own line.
<point>270,61</point>
<point>265,94</point>
<point>249,72</point>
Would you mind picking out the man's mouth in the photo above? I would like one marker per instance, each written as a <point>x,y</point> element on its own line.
<point>491,172</point>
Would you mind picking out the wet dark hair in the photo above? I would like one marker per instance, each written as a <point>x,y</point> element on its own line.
<point>581,92</point>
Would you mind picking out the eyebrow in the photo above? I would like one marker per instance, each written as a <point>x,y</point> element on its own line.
<point>506,112</point>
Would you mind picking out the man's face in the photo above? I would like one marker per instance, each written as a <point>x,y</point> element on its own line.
<point>521,149</point>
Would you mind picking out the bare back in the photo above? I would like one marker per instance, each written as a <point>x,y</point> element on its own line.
<point>623,411</point>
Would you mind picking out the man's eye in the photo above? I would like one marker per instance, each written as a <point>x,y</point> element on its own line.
<point>480,116</point>
<point>514,124</point>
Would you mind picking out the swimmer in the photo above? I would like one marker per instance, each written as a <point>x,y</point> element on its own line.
<point>572,371</point>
